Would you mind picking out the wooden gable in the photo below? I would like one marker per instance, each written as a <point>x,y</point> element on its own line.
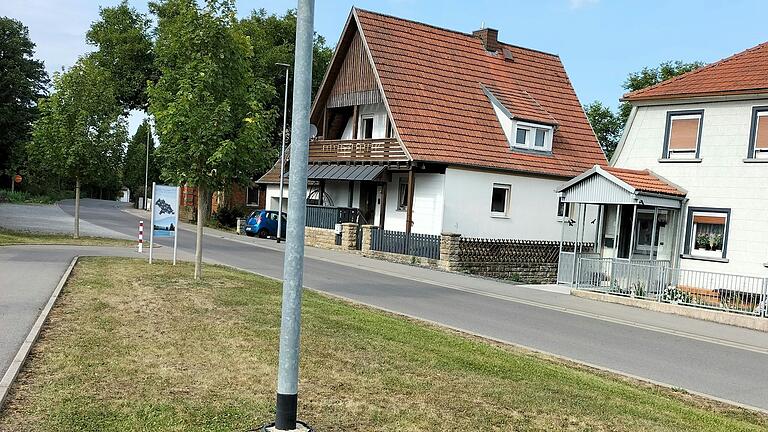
<point>355,81</point>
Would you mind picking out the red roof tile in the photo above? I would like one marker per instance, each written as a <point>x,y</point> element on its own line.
<point>432,81</point>
<point>742,73</point>
<point>521,105</point>
<point>645,181</point>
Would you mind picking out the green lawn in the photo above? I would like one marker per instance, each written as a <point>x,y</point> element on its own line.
<point>133,347</point>
<point>8,238</point>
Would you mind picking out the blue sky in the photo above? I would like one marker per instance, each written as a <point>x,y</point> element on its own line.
<point>599,41</point>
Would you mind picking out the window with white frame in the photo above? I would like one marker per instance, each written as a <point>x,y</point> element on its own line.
<point>390,132</point>
<point>532,136</point>
<point>758,136</point>
<point>708,232</point>
<point>683,135</point>
<point>500,200</point>
<point>402,194</point>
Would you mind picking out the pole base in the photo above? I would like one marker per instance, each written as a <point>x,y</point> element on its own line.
<point>300,427</point>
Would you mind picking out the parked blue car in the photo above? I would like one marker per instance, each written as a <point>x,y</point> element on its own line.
<point>263,223</point>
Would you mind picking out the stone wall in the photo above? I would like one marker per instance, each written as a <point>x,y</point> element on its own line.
<point>326,238</point>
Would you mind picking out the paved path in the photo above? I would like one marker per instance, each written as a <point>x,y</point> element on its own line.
<point>704,357</point>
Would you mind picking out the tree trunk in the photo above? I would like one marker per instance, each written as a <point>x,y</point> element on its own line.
<point>77,208</point>
<point>203,201</point>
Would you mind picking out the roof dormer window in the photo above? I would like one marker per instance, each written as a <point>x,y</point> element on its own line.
<point>531,136</point>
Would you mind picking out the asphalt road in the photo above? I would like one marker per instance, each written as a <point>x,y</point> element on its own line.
<point>721,361</point>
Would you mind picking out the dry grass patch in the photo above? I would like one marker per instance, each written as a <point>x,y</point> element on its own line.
<point>9,238</point>
<point>131,347</point>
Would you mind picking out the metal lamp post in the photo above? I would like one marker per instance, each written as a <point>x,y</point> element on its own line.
<point>146,165</point>
<point>293,265</point>
<point>282,154</point>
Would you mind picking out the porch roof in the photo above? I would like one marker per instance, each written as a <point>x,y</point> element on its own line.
<point>340,172</point>
<point>609,185</point>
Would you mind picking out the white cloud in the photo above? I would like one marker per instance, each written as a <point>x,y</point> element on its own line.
<point>578,4</point>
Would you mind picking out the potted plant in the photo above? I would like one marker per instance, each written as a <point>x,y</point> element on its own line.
<point>702,241</point>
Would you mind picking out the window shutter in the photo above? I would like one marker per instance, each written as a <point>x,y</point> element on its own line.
<point>684,134</point>
<point>761,139</point>
<point>714,220</point>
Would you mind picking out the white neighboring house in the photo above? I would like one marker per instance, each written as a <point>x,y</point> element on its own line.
<point>428,130</point>
<point>707,133</point>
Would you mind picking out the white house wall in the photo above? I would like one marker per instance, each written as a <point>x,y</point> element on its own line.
<point>532,209</point>
<point>379,113</point>
<point>427,204</point>
<point>722,178</point>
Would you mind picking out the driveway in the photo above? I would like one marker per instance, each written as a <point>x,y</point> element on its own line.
<point>700,356</point>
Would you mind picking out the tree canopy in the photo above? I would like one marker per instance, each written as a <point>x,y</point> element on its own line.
<point>609,125</point>
<point>122,37</point>
<point>80,133</point>
<point>273,40</point>
<point>23,81</point>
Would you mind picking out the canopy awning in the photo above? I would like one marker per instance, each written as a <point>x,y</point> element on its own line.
<point>345,172</point>
<point>610,185</point>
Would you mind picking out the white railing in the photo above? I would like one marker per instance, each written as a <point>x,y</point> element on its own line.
<point>657,280</point>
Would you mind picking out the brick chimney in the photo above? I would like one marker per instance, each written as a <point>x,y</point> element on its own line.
<point>490,38</point>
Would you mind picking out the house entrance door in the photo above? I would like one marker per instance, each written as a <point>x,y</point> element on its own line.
<point>368,201</point>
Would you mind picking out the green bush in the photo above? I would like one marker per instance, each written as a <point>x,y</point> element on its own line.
<point>227,217</point>
<point>22,197</point>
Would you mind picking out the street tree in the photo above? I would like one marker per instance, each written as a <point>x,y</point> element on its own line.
<point>209,112</point>
<point>23,81</point>
<point>606,124</point>
<point>273,39</point>
<point>136,162</point>
<point>124,48</point>
<point>81,131</point>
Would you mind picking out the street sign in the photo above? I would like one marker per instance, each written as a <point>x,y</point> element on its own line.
<point>17,179</point>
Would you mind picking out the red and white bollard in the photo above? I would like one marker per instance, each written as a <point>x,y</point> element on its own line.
<point>141,236</point>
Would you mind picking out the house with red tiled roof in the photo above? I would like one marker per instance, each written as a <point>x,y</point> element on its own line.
<point>429,130</point>
<point>699,143</point>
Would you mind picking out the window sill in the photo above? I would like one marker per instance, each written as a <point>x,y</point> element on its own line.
<point>692,160</point>
<point>499,216</point>
<point>753,160</point>
<point>703,258</point>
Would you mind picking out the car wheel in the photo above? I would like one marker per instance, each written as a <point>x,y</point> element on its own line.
<point>263,233</point>
<point>249,234</point>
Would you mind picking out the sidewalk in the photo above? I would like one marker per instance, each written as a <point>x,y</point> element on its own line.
<point>553,297</point>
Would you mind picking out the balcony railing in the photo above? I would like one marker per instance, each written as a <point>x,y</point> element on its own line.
<point>362,150</point>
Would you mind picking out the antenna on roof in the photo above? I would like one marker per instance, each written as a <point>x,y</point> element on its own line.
<point>482,25</point>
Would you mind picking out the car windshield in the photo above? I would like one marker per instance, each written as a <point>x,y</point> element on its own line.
<point>252,215</point>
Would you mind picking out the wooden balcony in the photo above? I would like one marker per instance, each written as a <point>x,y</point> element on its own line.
<point>378,150</point>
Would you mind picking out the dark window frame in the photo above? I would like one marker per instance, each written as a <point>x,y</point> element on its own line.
<point>668,130</point>
<point>689,230</point>
<point>257,190</point>
<point>753,130</point>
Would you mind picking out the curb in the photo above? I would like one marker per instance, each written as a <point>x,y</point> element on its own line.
<point>26,347</point>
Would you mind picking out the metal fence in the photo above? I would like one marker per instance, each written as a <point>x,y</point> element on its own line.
<point>328,217</point>
<point>423,245</point>
<point>657,280</point>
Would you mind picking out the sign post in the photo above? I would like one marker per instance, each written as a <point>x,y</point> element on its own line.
<point>165,216</point>
<point>141,236</point>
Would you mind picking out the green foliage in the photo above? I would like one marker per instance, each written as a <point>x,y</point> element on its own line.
<point>125,50</point>
<point>81,132</point>
<point>135,163</point>
<point>606,124</point>
<point>273,39</point>
<point>649,76</point>
<point>23,81</point>
<point>609,126</point>
<point>18,197</point>
<point>209,111</point>
<point>227,216</point>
